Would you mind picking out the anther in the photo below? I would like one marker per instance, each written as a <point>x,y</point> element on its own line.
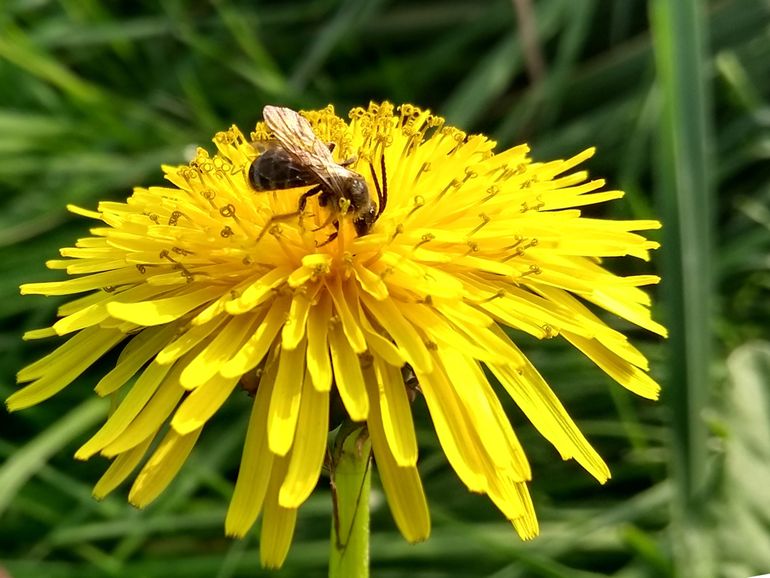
<point>173,219</point>
<point>491,192</point>
<point>226,232</point>
<point>228,210</point>
<point>500,293</point>
<point>424,168</point>
<point>181,251</point>
<point>426,238</point>
<point>473,247</point>
<point>533,270</point>
<point>141,268</point>
<point>419,202</point>
<point>484,220</point>
<point>453,184</point>
<point>154,218</point>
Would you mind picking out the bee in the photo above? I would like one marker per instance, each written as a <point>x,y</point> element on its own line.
<point>297,158</point>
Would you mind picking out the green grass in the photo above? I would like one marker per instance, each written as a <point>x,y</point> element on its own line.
<point>95,95</point>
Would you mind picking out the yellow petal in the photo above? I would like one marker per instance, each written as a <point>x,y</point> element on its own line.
<point>453,430</point>
<point>259,291</point>
<point>619,369</point>
<point>294,327</point>
<point>65,365</point>
<point>225,344</point>
<point>202,403</point>
<point>396,413</point>
<point>129,408</point>
<point>190,338</point>
<point>135,354</point>
<point>162,467</point>
<point>257,346</point>
<point>318,361</point>
<point>309,449</point>
<point>402,331</point>
<point>532,394</point>
<point>347,375</point>
<point>256,462</point>
<point>342,306</point>
<point>120,468</point>
<point>152,416</point>
<point>402,484</point>
<point>163,310</point>
<point>277,523</point>
<point>285,401</point>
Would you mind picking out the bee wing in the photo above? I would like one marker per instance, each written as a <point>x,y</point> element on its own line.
<point>295,135</point>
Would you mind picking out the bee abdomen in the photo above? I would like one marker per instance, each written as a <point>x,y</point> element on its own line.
<point>275,169</point>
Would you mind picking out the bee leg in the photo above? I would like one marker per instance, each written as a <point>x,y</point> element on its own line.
<point>348,162</point>
<point>331,237</point>
<point>273,219</point>
<point>332,218</point>
<point>305,196</point>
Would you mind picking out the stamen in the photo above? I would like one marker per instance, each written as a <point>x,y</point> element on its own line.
<point>500,293</point>
<point>456,184</point>
<point>491,192</point>
<point>419,202</point>
<point>424,168</point>
<point>164,254</point>
<point>484,220</point>
<point>520,249</point>
<point>533,270</point>
<point>173,219</point>
<point>426,238</point>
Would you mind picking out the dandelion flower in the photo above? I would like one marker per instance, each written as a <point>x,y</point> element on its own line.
<point>204,289</point>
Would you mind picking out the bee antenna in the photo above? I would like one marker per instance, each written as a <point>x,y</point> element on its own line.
<point>382,192</point>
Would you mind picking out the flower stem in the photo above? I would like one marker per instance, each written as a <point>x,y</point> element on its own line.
<point>351,480</point>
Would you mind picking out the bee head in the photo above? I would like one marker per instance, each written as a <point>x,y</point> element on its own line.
<point>365,219</point>
<point>358,193</point>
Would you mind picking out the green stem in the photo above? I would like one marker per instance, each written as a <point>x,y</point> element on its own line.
<point>351,480</point>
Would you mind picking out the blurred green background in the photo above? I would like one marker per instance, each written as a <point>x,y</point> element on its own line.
<point>94,95</point>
